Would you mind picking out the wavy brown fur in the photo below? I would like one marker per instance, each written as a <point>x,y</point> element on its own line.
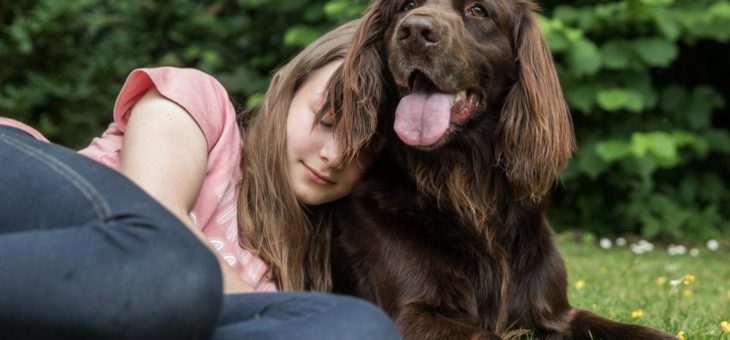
<point>451,240</point>
<point>534,111</point>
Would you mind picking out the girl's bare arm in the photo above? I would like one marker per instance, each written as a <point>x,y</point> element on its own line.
<point>165,153</point>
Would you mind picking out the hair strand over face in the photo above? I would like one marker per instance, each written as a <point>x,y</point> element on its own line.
<point>356,91</point>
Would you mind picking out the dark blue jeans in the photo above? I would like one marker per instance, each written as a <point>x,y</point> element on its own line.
<point>86,254</point>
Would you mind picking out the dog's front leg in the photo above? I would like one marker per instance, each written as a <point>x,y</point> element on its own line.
<point>422,321</point>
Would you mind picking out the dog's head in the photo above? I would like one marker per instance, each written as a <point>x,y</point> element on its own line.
<point>456,64</point>
<point>450,63</point>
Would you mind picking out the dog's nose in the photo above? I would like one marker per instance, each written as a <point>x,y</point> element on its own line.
<point>418,32</point>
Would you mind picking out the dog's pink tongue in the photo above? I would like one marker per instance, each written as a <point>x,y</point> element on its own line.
<point>422,118</point>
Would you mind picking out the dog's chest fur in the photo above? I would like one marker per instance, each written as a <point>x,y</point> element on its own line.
<point>388,218</point>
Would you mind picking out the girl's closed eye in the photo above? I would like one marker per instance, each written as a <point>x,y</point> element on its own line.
<point>327,120</point>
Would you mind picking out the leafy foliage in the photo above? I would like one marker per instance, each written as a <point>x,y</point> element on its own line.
<point>653,149</point>
<point>645,80</point>
<point>65,61</point>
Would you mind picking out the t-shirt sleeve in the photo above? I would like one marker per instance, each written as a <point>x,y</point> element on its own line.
<point>201,95</point>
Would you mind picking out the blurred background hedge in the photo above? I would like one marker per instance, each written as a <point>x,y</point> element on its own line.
<point>647,81</point>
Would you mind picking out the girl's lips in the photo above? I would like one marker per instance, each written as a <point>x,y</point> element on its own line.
<point>316,177</point>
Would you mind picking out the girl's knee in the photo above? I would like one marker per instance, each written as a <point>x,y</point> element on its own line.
<point>363,320</point>
<point>180,292</point>
<point>304,316</point>
<point>191,277</point>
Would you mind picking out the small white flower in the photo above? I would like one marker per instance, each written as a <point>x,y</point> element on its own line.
<point>643,246</point>
<point>620,241</point>
<point>675,283</point>
<point>694,252</point>
<point>637,249</point>
<point>648,246</point>
<point>713,245</point>
<point>606,243</point>
<point>671,251</point>
<point>676,250</point>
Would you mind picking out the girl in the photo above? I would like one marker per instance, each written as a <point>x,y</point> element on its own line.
<point>100,259</point>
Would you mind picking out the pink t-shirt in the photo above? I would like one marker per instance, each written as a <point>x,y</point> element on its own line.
<point>205,99</point>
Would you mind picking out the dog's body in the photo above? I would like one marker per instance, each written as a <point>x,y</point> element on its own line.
<point>447,234</point>
<point>437,276</point>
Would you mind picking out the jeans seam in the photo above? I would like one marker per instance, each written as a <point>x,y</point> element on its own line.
<point>97,201</point>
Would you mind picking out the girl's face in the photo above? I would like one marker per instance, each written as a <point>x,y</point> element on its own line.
<point>313,154</point>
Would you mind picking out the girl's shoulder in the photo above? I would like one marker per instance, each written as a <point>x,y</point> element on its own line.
<point>199,93</point>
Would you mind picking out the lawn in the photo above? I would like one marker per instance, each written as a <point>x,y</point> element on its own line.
<point>689,293</point>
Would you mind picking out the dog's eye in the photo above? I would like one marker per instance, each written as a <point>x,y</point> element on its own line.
<point>477,11</point>
<point>408,5</point>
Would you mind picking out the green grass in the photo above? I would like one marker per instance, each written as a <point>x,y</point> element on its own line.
<point>618,282</point>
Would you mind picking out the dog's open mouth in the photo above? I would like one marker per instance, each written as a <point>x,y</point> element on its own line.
<point>424,116</point>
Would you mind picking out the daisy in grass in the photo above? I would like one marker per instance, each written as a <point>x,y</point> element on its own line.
<point>724,329</point>
<point>685,280</point>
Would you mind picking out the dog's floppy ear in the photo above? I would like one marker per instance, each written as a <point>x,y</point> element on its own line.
<point>357,89</point>
<point>535,138</point>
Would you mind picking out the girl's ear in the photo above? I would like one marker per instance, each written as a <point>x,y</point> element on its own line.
<point>356,91</point>
<point>535,135</point>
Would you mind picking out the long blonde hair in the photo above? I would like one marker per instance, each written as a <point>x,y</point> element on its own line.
<point>294,240</point>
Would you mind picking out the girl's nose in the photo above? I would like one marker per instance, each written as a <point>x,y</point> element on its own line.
<point>330,152</point>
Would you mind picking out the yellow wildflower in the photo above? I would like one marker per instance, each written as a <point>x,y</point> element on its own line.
<point>728,293</point>
<point>725,327</point>
<point>687,293</point>
<point>661,280</point>
<point>580,284</point>
<point>637,314</point>
<point>688,279</point>
<point>680,335</point>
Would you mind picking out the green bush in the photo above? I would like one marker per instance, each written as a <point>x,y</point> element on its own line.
<point>65,61</point>
<point>644,78</point>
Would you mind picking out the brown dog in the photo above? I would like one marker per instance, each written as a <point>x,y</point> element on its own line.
<point>447,234</point>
